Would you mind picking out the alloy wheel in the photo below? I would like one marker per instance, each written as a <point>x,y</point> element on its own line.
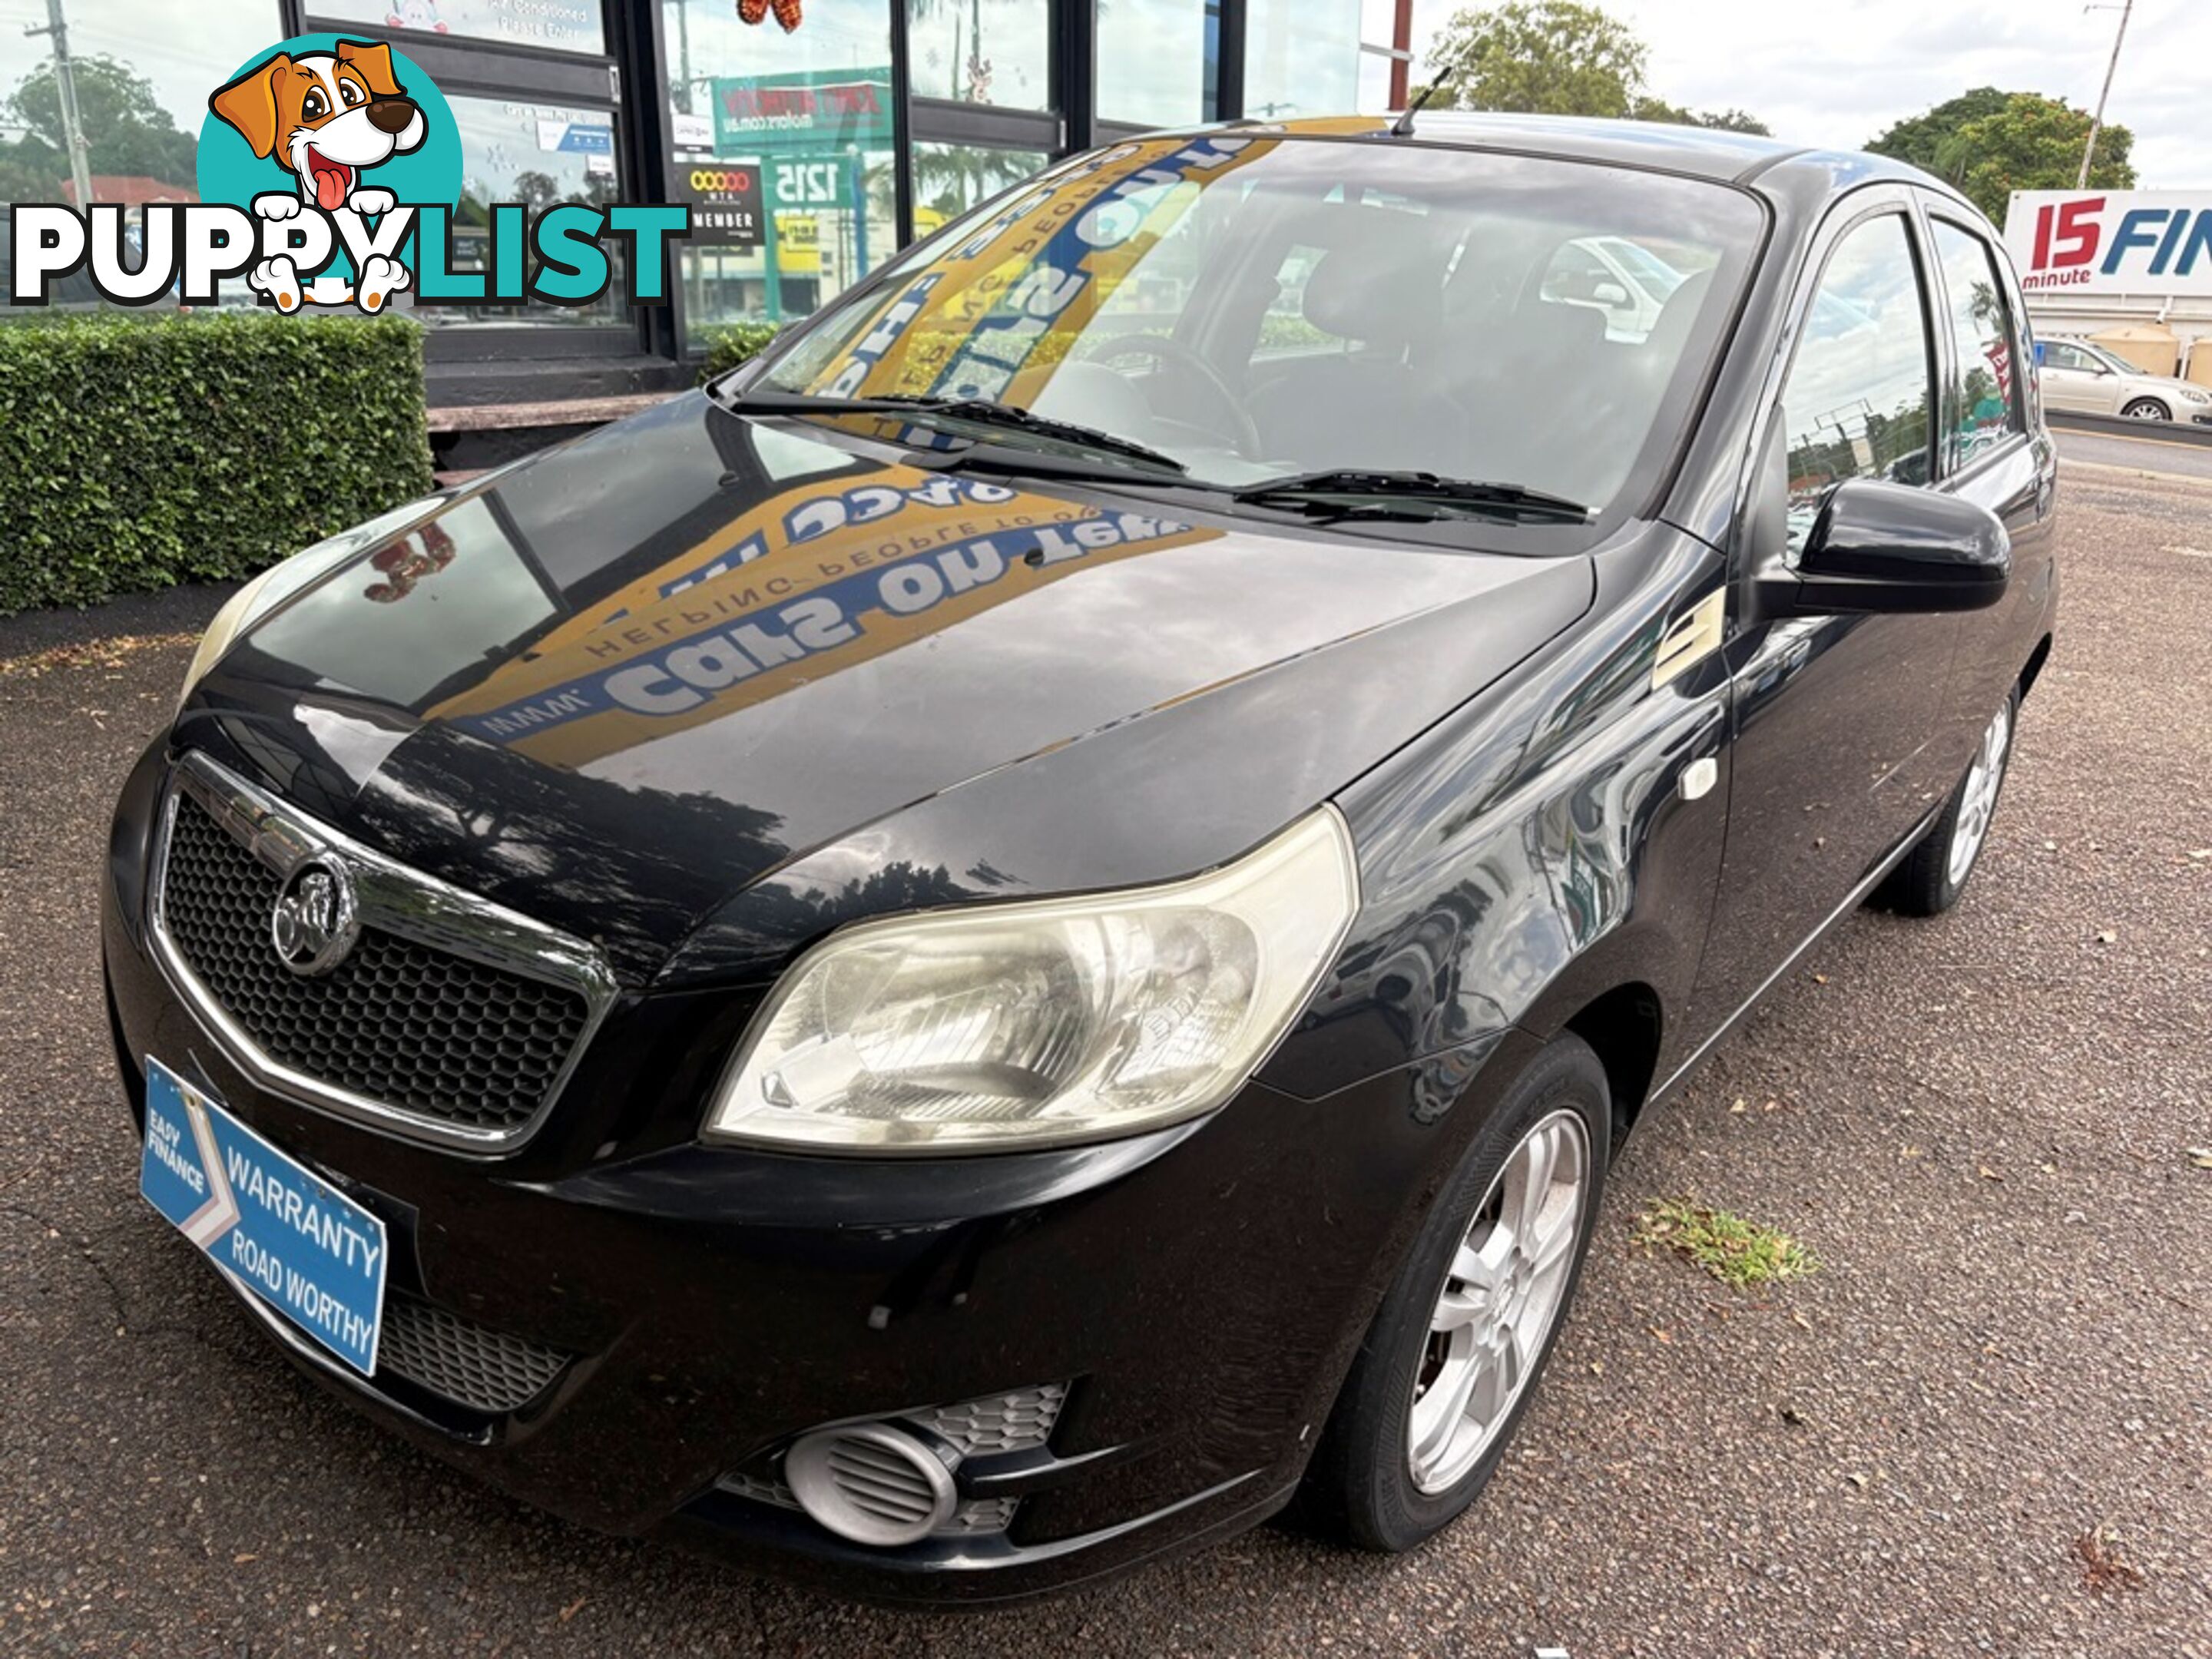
<point>1503,1291</point>
<point>1978,802</point>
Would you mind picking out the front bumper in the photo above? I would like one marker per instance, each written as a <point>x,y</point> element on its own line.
<point>1201,1292</point>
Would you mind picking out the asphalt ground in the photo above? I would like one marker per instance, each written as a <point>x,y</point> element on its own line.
<point>2156,449</point>
<point>1981,1125</point>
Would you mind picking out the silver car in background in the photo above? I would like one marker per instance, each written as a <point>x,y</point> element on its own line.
<point>2090,381</point>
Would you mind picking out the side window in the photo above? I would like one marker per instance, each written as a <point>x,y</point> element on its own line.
<point>2056,355</point>
<point>1856,401</point>
<point>1981,407</point>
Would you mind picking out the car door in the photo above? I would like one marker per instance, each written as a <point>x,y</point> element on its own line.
<point>1836,720</point>
<point>2072,379</point>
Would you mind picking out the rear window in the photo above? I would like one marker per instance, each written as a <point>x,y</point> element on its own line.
<point>1981,403</point>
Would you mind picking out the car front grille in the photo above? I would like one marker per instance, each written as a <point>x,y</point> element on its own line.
<point>1019,1421</point>
<point>469,1364</point>
<point>418,1030</point>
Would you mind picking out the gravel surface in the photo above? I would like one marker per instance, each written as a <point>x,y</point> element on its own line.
<point>1981,1125</point>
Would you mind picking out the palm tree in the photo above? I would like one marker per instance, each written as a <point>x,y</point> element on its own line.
<point>953,178</point>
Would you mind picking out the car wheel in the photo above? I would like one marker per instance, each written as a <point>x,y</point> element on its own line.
<point>2147,409</point>
<point>1451,1360</point>
<point>1935,871</point>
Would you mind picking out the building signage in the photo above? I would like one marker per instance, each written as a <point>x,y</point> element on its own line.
<point>692,131</point>
<point>818,111</point>
<point>725,199</point>
<point>810,182</point>
<point>575,137</point>
<point>2154,242</point>
<point>798,244</point>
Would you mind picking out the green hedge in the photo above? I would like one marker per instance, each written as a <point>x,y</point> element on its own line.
<point>738,343</point>
<point>137,452</point>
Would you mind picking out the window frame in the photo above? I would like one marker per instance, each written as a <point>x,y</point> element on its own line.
<point>1940,298</point>
<point>471,66</point>
<point>1846,216</point>
<point>554,57</point>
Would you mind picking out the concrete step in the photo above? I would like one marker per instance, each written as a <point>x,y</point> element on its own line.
<point>564,412</point>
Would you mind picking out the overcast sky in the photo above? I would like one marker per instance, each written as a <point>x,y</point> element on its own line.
<point>1836,75</point>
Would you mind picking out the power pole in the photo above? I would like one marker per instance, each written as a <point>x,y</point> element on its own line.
<point>73,140</point>
<point>1401,51</point>
<point>2097,122</point>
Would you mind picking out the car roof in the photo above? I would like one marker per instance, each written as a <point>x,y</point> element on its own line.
<point>1710,153</point>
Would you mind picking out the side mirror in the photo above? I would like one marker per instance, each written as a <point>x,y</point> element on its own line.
<point>1879,546</point>
<point>1611,295</point>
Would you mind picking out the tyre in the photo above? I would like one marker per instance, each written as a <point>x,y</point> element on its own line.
<point>1452,1359</point>
<point>1936,870</point>
<point>2147,409</point>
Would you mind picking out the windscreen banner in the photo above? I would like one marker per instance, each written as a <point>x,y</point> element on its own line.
<point>993,315</point>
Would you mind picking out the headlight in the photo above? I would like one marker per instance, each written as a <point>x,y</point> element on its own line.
<point>2194,396</point>
<point>287,577</point>
<point>1040,1024</point>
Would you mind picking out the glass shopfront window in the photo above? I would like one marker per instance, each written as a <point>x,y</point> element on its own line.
<point>143,76</point>
<point>539,154</point>
<point>1158,61</point>
<point>783,147</point>
<point>981,51</point>
<point>1301,57</point>
<point>564,25</point>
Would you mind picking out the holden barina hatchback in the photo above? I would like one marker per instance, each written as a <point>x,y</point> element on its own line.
<point>1020,935</point>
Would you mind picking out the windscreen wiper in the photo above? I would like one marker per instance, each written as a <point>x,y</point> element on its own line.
<point>1349,491</point>
<point>971,412</point>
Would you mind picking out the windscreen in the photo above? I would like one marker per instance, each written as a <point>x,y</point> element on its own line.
<point>1256,307</point>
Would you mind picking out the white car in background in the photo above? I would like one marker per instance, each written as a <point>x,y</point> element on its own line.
<point>2091,381</point>
<point>1624,280</point>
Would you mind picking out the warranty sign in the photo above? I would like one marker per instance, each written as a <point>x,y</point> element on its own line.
<point>271,1225</point>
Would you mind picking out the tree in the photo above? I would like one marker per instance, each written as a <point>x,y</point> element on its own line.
<point>1543,56</point>
<point>1917,140</point>
<point>31,170</point>
<point>536,191</point>
<point>1648,108</point>
<point>2027,142</point>
<point>127,129</point>
<point>1990,143</point>
<point>1732,120</point>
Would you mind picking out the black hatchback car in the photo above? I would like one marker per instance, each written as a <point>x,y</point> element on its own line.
<point>1022,933</point>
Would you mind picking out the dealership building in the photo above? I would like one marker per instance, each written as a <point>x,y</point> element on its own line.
<point>813,138</point>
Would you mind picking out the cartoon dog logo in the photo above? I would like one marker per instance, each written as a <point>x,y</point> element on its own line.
<point>330,117</point>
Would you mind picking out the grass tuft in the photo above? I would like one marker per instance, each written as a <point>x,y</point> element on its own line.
<point>1733,1251</point>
